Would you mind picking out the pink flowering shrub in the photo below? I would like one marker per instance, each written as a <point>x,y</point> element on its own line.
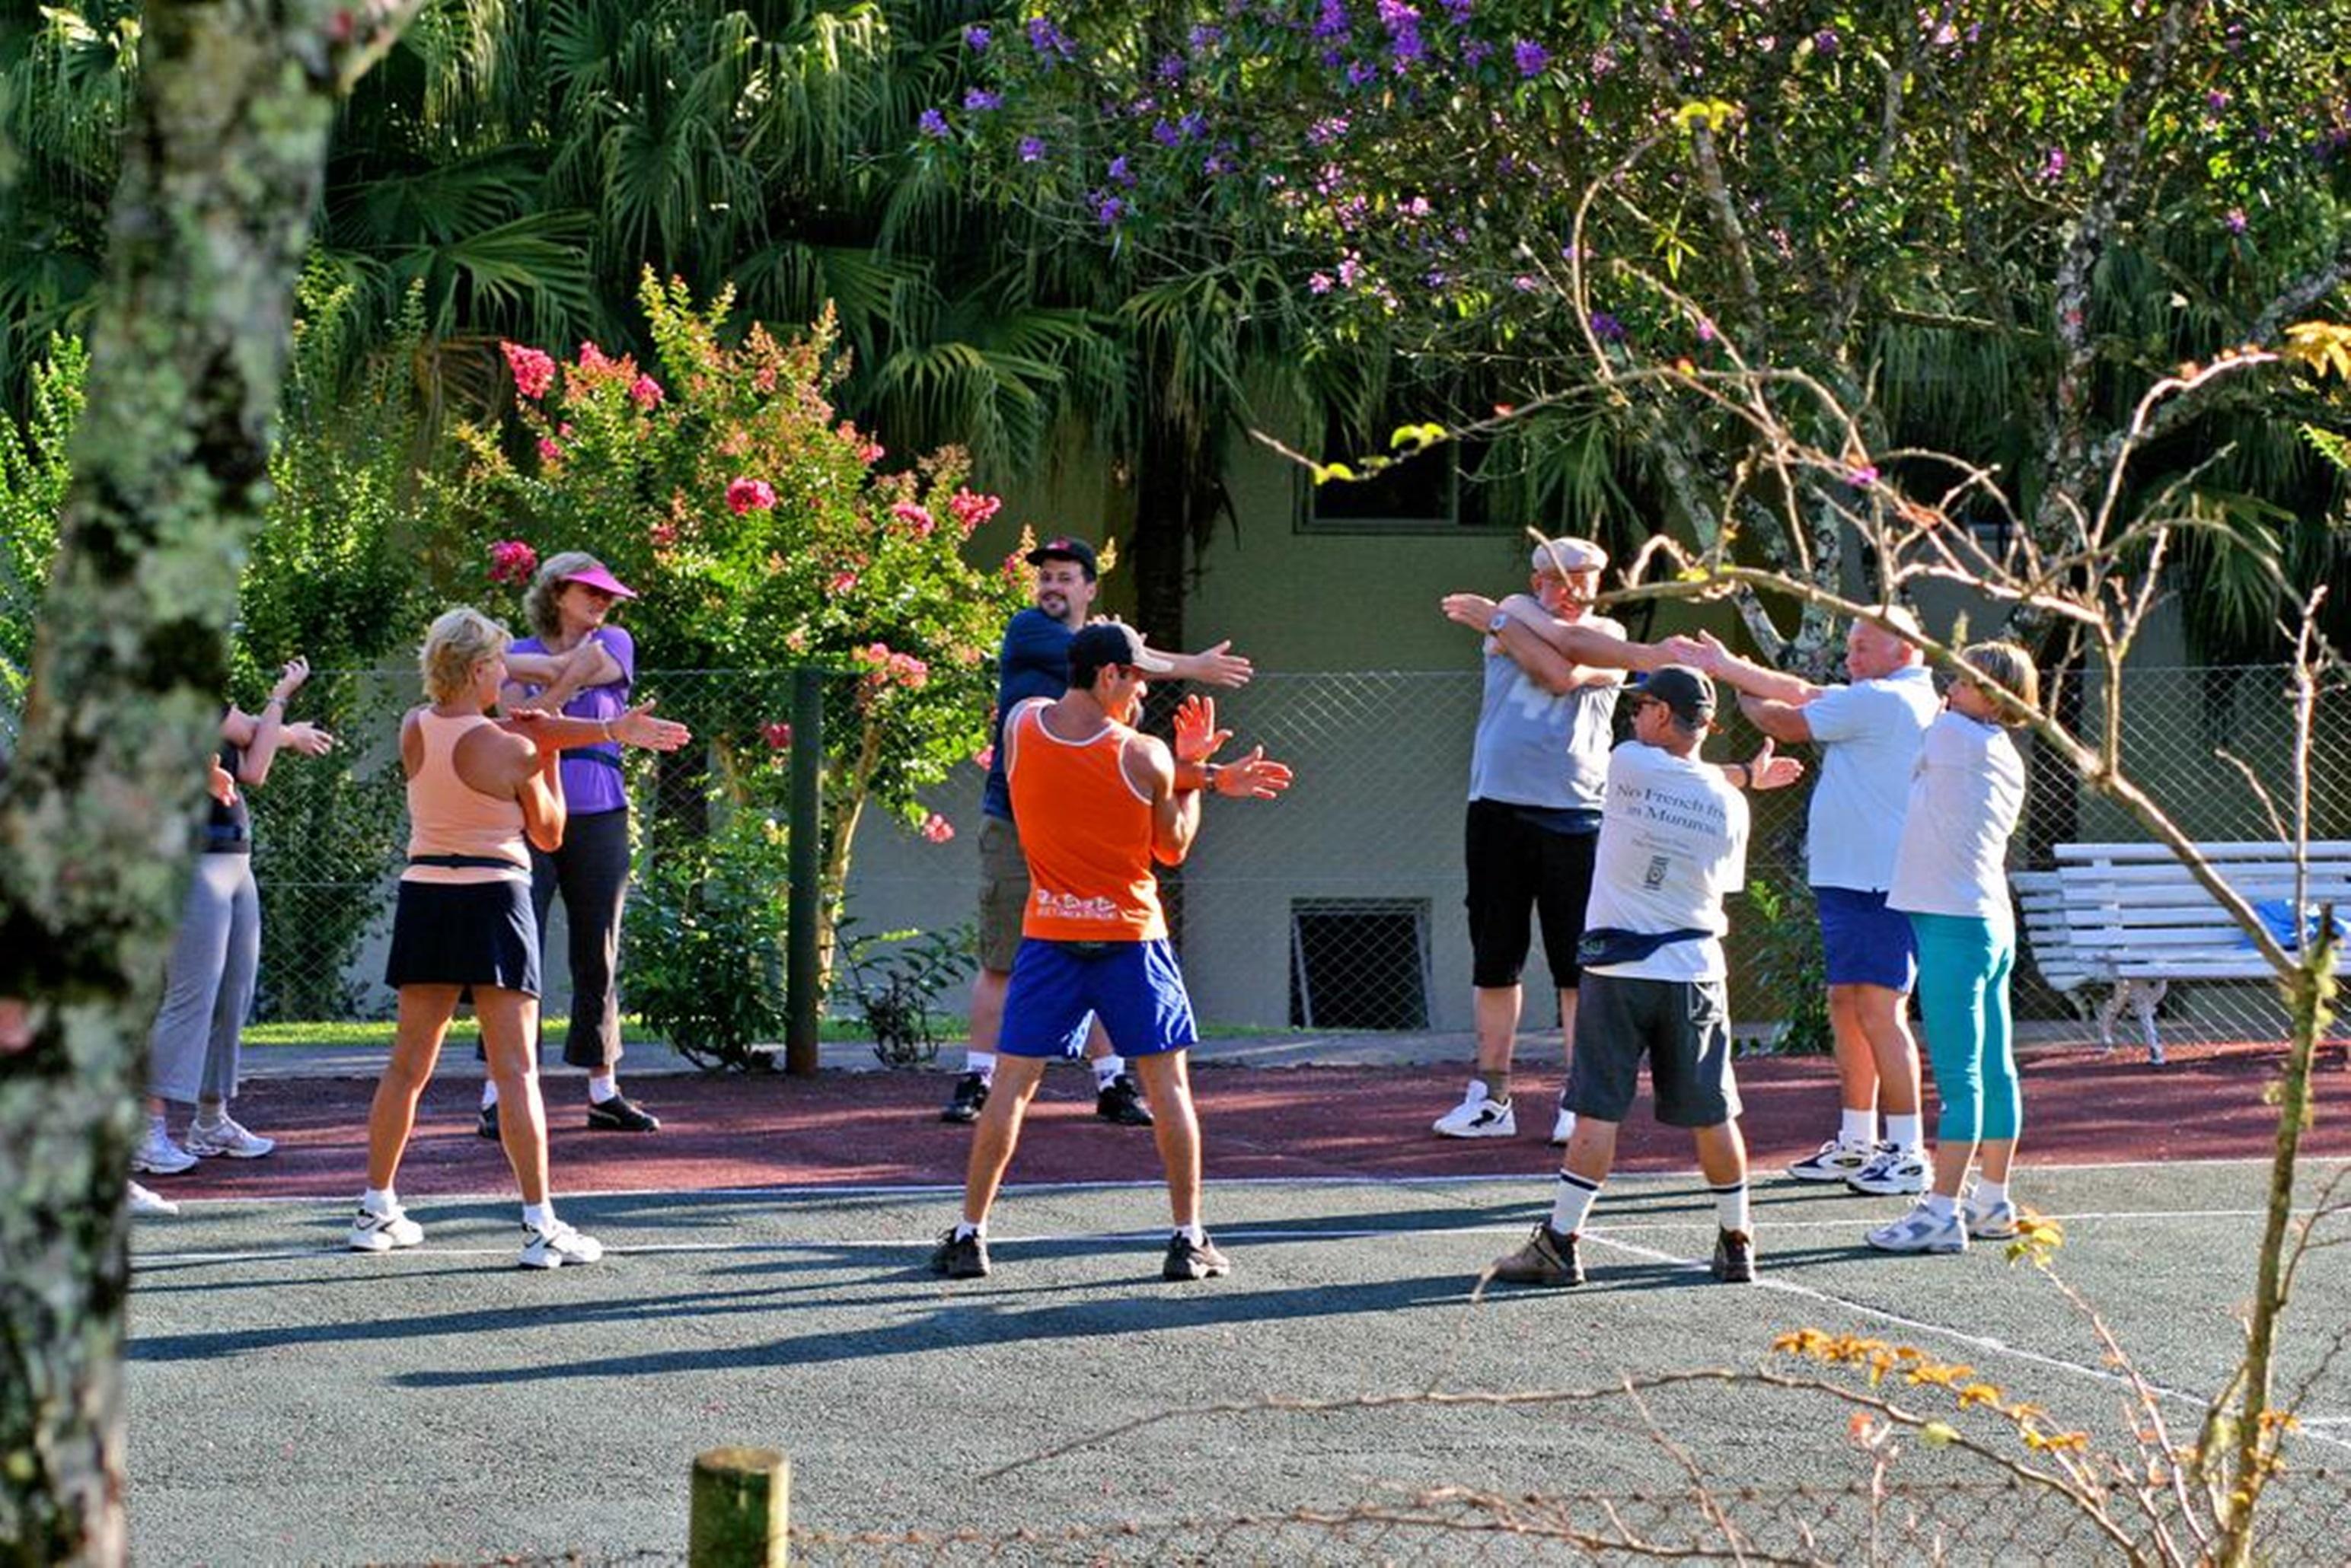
<point>762,533</point>
<point>512,562</point>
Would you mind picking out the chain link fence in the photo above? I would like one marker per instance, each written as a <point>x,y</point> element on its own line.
<point>1337,908</point>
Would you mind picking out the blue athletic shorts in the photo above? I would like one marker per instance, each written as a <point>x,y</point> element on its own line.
<point>1133,988</point>
<point>1865,943</point>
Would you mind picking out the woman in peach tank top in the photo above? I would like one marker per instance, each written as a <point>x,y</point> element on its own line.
<point>480,791</point>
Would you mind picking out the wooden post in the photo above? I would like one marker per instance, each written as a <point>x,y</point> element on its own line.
<point>741,1514</point>
<point>801,1011</point>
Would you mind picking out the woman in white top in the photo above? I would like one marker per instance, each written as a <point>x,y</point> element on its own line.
<point>1951,877</point>
<point>479,791</point>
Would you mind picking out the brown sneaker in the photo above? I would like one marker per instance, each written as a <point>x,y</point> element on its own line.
<point>1547,1259</point>
<point>1734,1257</point>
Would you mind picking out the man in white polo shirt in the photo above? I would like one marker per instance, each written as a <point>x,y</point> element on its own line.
<point>1869,733</point>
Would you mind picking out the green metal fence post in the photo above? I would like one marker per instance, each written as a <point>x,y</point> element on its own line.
<point>800,977</point>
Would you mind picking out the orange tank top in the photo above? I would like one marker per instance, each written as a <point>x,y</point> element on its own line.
<point>447,816</point>
<point>1086,831</point>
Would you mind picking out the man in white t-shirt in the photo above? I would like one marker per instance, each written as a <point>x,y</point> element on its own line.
<point>1672,844</point>
<point>1869,733</point>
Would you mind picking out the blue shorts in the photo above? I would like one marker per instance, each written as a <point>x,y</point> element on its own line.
<point>1133,988</point>
<point>1865,943</point>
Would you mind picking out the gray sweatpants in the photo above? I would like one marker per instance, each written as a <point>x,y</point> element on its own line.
<point>207,984</point>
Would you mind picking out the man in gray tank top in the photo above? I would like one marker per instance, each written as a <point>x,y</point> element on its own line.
<point>1538,773</point>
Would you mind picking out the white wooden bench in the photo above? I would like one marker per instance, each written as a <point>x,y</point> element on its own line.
<point>2131,916</point>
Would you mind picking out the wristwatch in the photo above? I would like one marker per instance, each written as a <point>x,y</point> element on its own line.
<point>1494,627</point>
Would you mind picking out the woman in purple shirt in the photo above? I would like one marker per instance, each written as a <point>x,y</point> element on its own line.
<point>575,664</point>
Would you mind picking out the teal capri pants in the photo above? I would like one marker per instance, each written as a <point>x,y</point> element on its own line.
<point>1964,965</point>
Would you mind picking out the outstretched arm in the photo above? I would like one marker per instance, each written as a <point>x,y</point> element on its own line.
<point>638,728</point>
<point>1214,667</point>
<point>1744,675</point>
<point>1764,771</point>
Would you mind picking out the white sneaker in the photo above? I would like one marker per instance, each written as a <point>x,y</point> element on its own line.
<point>157,1154</point>
<point>1563,1127</point>
<point>1922,1230</point>
<point>1834,1161</point>
<point>1479,1116</point>
<point>1989,1221</point>
<point>1892,1171</point>
<point>142,1201</point>
<point>226,1137</point>
<point>373,1232</point>
<point>557,1245</point>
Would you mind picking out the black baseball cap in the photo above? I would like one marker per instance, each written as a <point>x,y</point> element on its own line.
<point>1108,642</point>
<point>1688,693</point>
<point>1061,546</point>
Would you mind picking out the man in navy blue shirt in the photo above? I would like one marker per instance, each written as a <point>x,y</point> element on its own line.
<point>1034,661</point>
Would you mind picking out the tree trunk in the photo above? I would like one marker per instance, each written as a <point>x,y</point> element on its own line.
<point>220,172</point>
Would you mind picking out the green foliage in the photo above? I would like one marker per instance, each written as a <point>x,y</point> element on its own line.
<point>35,470</point>
<point>1786,967</point>
<point>893,991</point>
<point>706,923</point>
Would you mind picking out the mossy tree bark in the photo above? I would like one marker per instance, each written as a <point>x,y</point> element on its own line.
<point>220,173</point>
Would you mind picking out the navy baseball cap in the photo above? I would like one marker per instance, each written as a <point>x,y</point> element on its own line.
<point>1061,546</point>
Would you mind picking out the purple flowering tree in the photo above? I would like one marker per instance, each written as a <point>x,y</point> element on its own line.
<point>1907,228</point>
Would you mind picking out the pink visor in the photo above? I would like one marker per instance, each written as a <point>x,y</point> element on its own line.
<point>597,577</point>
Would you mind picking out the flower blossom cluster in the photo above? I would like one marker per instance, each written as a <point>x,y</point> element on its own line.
<point>512,561</point>
<point>970,510</point>
<point>886,667</point>
<point>918,519</point>
<point>746,495</point>
<point>937,828</point>
<point>534,369</point>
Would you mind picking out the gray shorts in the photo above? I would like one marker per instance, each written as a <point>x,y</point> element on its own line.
<point>1683,1027</point>
<point>1003,893</point>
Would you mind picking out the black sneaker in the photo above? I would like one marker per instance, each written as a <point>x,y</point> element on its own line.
<point>1547,1257</point>
<point>621,1115</point>
<point>970,1099</point>
<point>1121,1101</point>
<point>960,1257</point>
<point>1734,1258</point>
<point>1186,1262</point>
<point>487,1124</point>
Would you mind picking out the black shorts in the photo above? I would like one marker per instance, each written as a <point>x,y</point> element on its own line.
<point>1515,870</point>
<point>1683,1027</point>
<point>464,934</point>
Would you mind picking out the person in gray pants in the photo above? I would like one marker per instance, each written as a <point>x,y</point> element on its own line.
<point>193,1052</point>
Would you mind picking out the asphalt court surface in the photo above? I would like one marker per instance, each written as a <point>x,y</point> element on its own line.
<point>293,1401</point>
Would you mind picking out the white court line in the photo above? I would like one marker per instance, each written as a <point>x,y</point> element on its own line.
<point>933,1189</point>
<point>1236,1234</point>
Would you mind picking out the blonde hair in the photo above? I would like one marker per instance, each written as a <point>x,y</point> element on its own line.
<point>539,611</point>
<point>2012,667</point>
<point>454,648</point>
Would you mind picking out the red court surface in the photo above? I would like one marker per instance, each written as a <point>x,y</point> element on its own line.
<point>1302,1124</point>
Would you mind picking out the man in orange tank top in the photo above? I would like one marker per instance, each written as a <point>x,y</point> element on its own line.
<point>1098,803</point>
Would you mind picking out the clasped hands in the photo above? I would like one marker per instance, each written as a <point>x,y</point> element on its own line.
<point>1197,739</point>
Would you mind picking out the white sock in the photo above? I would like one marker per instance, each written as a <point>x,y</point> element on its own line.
<point>1903,1132</point>
<point>1193,1233</point>
<point>538,1216</point>
<point>1572,1202</point>
<point>1938,1206</point>
<point>379,1200</point>
<point>982,1063</point>
<point>602,1086</point>
<point>1858,1129</point>
<point>209,1114</point>
<point>489,1092</point>
<point>1107,1069</point>
<point>966,1228</point>
<point>155,1125</point>
<point>1731,1211</point>
<point>1990,1192</point>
